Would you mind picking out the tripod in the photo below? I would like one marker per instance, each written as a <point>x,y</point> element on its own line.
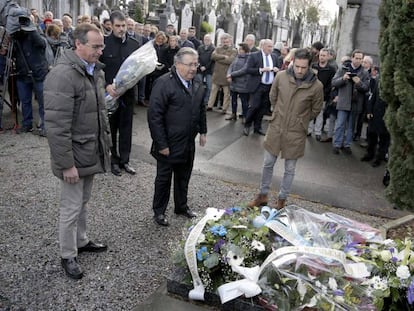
<point>8,76</point>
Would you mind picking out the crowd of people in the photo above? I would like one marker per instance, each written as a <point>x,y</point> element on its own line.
<point>303,91</point>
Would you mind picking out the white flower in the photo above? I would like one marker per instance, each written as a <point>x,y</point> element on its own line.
<point>301,289</point>
<point>403,272</point>
<point>332,284</point>
<point>201,238</point>
<point>388,242</point>
<point>339,299</point>
<point>318,284</point>
<point>376,283</point>
<point>233,259</point>
<point>385,255</point>
<point>259,246</point>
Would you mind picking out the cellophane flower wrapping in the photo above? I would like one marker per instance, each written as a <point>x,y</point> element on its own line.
<point>139,64</point>
<point>242,237</point>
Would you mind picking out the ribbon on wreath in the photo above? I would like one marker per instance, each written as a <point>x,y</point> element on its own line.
<point>190,252</point>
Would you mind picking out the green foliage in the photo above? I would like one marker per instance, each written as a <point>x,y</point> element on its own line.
<point>206,27</point>
<point>397,89</point>
<point>312,15</point>
<point>264,6</point>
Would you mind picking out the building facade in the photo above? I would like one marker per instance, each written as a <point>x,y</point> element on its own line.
<point>358,27</point>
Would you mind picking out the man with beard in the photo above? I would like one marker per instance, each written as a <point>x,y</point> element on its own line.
<point>118,47</point>
<point>296,97</point>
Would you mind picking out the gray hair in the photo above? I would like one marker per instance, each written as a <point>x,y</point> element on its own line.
<point>178,58</point>
<point>81,32</point>
<point>250,36</point>
<point>369,59</point>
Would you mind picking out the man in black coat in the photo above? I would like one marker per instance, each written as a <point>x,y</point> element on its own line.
<point>176,115</point>
<point>377,133</point>
<point>118,47</point>
<point>261,66</point>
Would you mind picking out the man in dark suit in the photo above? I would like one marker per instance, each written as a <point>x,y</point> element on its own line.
<point>176,116</point>
<point>261,66</point>
<point>118,47</point>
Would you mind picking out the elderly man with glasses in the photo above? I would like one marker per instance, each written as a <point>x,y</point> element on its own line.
<point>176,115</point>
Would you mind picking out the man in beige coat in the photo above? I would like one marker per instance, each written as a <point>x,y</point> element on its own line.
<point>296,96</point>
<point>223,56</point>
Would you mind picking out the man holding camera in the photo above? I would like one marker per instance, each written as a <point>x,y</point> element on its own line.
<point>31,70</point>
<point>352,82</point>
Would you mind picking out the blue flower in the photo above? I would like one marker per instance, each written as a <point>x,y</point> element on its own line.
<point>219,230</point>
<point>410,293</point>
<point>231,210</point>
<point>202,253</point>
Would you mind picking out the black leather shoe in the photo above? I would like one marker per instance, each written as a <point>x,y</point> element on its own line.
<point>115,169</point>
<point>72,268</point>
<point>93,247</point>
<point>246,131</point>
<point>187,213</point>
<point>366,158</point>
<point>129,169</point>
<point>161,220</point>
<point>260,132</point>
<point>376,163</point>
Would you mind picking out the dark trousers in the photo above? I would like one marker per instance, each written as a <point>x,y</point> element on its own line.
<point>182,173</point>
<point>257,106</point>
<point>121,131</point>
<point>244,98</point>
<point>382,139</point>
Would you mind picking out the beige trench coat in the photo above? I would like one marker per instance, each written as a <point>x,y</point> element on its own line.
<point>293,107</point>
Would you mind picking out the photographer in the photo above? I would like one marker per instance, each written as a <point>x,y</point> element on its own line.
<point>31,69</point>
<point>352,82</point>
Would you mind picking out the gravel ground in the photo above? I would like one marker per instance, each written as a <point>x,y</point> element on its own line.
<point>138,259</point>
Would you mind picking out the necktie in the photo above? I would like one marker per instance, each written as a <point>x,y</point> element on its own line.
<point>267,74</point>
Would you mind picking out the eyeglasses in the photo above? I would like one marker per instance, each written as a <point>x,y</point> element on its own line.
<point>96,47</point>
<point>195,65</point>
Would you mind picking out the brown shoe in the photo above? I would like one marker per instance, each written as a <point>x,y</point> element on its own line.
<point>259,200</point>
<point>280,203</point>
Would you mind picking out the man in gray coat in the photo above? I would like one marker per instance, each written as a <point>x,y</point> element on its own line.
<point>77,132</point>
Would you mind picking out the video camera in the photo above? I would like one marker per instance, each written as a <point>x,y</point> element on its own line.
<point>14,17</point>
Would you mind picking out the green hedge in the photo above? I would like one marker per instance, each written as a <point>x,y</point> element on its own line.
<point>397,89</point>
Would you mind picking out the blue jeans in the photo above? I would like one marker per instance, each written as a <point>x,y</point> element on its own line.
<point>267,175</point>
<point>207,79</point>
<point>25,90</point>
<point>343,123</point>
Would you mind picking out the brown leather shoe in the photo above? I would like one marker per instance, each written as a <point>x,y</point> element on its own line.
<point>280,203</point>
<point>259,200</point>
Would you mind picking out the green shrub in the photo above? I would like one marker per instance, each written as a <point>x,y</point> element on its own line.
<point>397,89</point>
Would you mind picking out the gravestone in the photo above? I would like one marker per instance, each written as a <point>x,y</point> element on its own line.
<point>239,31</point>
<point>219,33</point>
<point>231,25</point>
<point>212,20</point>
<point>186,17</point>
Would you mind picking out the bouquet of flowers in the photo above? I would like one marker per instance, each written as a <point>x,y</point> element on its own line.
<point>391,284</point>
<point>140,63</point>
<point>296,259</point>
